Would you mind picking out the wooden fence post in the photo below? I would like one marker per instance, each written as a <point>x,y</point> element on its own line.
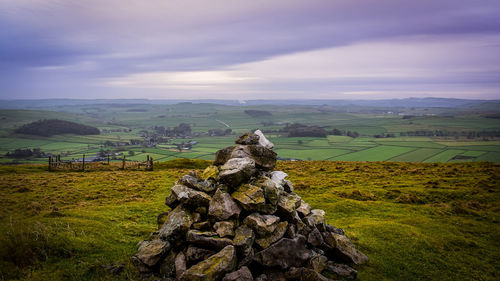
<point>50,163</point>
<point>108,159</point>
<point>123,162</point>
<point>83,166</point>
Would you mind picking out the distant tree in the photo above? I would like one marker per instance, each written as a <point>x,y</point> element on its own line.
<point>49,127</point>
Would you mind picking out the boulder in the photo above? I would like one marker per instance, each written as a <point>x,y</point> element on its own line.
<point>343,249</point>
<point>285,253</point>
<point>214,267</point>
<point>236,170</point>
<point>315,238</point>
<point>276,235</point>
<point>247,139</point>
<point>223,207</point>
<point>207,239</point>
<point>263,225</point>
<point>250,197</point>
<point>224,228</point>
<point>242,274</point>
<point>288,203</point>
<point>189,196</point>
<point>264,158</point>
<point>150,252</point>
<point>177,223</point>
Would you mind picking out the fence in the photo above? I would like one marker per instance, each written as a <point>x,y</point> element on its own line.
<point>55,163</point>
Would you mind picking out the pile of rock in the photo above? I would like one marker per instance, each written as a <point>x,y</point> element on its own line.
<point>239,220</point>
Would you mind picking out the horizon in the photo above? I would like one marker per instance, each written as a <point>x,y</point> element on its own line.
<point>240,50</point>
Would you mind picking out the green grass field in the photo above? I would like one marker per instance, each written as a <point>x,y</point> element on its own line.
<point>416,221</point>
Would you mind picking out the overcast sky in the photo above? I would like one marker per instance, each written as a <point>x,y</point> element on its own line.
<point>249,49</point>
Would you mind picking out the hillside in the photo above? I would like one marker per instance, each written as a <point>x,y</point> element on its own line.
<point>50,127</point>
<point>415,221</point>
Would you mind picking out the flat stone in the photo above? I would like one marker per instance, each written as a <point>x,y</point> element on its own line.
<point>180,264</point>
<point>242,274</point>
<point>210,172</point>
<point>189,196</point>
<point>304,209</point>
<point>342,248</point>
<point>315,238</point>
<point>276,235</point>
<point>288,203</point>
<point>201,225</point>
<point>224,228</point>
<point>250,197</point>
<point>177,223</point>
<point>236,171</point>
<point>264,158</point>
<point>318,263</point>
<point>247,139</point>
<point>195,254</point>
<point>207,239</point>
<point>223,207</point>
<point>263,225</point>
<point>214,267</point>
<point>285,253</point>
<point>316,219</point>
<point>341,270</point>
<point>150,252</point>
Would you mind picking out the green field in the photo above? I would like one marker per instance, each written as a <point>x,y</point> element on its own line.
<point>415,221</point>
<point>127,122</point>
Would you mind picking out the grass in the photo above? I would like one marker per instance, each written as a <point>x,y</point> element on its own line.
<point>415,221</point>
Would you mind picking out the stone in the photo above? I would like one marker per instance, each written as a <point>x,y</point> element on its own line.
<point>223,207</point>
<point>305,274</point>
<point>250,197</point>
<point>285,253</point>
<point>333,229</point>
<point>341,270</point>
<point>177,223</point>
<point>343,249</point>
<point>237,170</point>
<point>167,267</point>
<point>201,225</point>
<point>315,238</point>
<point>224,228</point>
<point>263,141</point>
<point>271,275</point>
<point>243,238</point>
<point>207,239</point>
<point>264,158</point>
<point>189,196</point>
<point>288,203</point>
<point>316,219</point>
<point>276,235</point>
<point>210,172</point>
<point>247,139</point>
<point>271,192</point>
<point>288,186</point>
<point>214,267</point>
<point>304,209</point>
<point>279,178</point>
<point>180,265</point>
<point>263,225</point>
<point>150,252</point>
<point>318,263</point>
<point>242,274</point>
<point>195,254</point>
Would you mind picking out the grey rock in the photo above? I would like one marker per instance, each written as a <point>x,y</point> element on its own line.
<point>167,267</point>
<point>214,267</point>
<point>237,170</point>
<point>223,207</point>
<point>288,203</point>
<point>189,196</point>
<point>201,225</point>
<point>285,253</point>
<point>242,274</point>
<point>288,186</point>
<point>247,139</point>
<point>304,209</point>
<point>195,254</point>
<point>341,270</point>
<point>224,228</point>
<point>263,225</point>
<point>263,141</point>
<point>276,235</point>
<point>250,197</point>
<point>315,238</point>
<point>180,264</point>
<point>342,248</point>
<point>318,263</point>
<point>264,158</point>
<point>305,274</point>
<point>330,228</point>
<point>316,219</point>
<point>193,182</point>
<point>243,237</point>
<point>207,239</point>
<point>177,223</point>
<point>150,252</point>
<point>279,178</point>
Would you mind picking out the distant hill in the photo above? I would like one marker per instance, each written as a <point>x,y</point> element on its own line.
<point>49,127</point>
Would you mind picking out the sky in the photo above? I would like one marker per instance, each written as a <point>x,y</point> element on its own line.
<point>243,50</point>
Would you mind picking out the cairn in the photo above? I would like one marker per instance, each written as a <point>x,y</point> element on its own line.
<point>240,220</point>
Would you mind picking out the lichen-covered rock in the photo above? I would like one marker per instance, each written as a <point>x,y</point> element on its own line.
<point>224,228</point>
<point>264,158</point>
<point>279,178</point>
<point>210,172</point>
<point>150,252</point>
<point>237,170</point>
<point>288,203</point>
<point>207,239</point>
<point>304,209</point>
<point>167,267</point>
<point>315,238</point>
<point>223,207</point>
<point>304,274</point>
<point>263,225</point>
<point>285,253</point>
<point>242,274</point>
<point>263,141</point>
<point>189,196</point>
<point>247,139</point>
<point>318,263</point>
<point>180,265</point>
<point>341,270</point>
<point>316,219</point>
<point>243,238</point>
<point>214,267</point>
<point>177,223</point>
<point>250,197</point>
<point>342,248</point>
<point>276,235</point>
<point>271,192</point>
<point>195,254</point>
